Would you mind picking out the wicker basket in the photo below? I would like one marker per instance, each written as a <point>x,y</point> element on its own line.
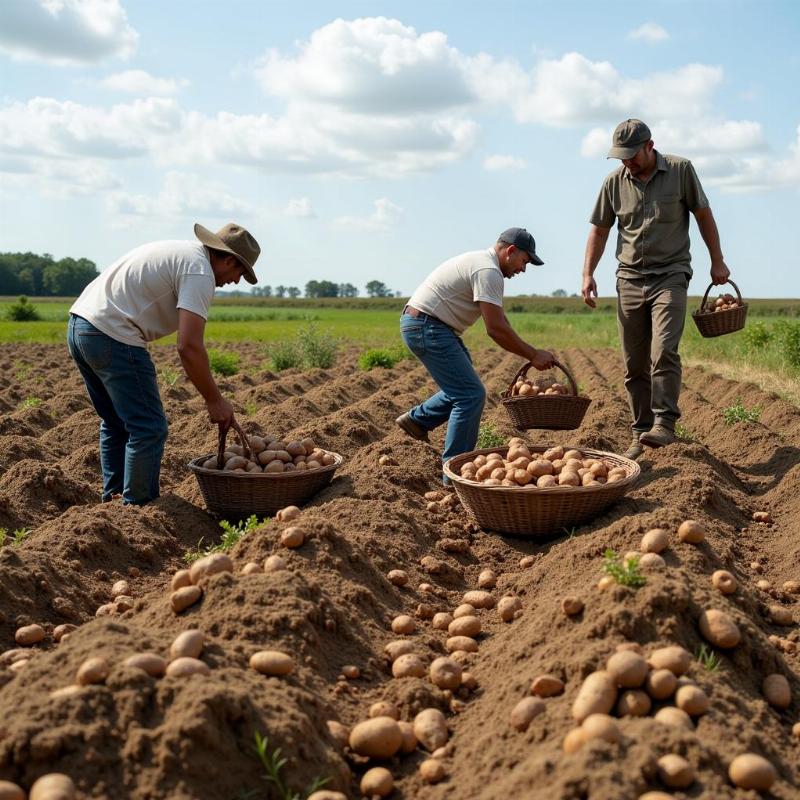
<point>540,513</point>
<point>237,495</point>
<point>552,411</point>
<point>718,323</point>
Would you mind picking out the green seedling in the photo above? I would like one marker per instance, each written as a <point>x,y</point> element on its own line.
<point>382,357</point>
<point>231,534</point>
<point>739,413</point>
<point>273,763</point>
<point>708,659</point>
<point>31,402</point>
<point>489,437</point>
<point>624,571</point>
<point>169,376</point>
<point>684,434</point>
<point>223,363</point>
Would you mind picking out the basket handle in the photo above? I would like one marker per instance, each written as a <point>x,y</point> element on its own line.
<point>523,371</point>
<point>705,296</point>
<point>223,435</point>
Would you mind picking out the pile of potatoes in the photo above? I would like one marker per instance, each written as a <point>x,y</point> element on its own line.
<point>524,387</point>
<point>725,302</point>
<point>558,466</point>
<point>271,455</point>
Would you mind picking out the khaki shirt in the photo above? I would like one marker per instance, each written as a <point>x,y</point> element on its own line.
<point>652,218</point>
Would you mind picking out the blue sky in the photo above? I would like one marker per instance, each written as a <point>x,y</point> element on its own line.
<point>367,141</point>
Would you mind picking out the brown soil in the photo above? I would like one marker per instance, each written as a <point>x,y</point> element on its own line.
<point>137,737</point>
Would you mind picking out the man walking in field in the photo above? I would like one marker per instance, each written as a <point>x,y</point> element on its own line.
<point>150,292</point>
<point>650,197</point>
<point>452,298</point>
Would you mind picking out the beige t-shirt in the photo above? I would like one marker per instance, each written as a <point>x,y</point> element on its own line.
<point>451,292</point>
<point>136,299</point>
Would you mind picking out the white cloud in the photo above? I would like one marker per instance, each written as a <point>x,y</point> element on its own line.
<point>385,215</point>
<point>65,31</point>
<point>300,207</point>
<point>497,163</point>
<point>650,32</point>
<point>56,177</point>
<point>137,81</point>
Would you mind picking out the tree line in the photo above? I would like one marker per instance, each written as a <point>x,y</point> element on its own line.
<point>325,289</point>
<point>43,276</point>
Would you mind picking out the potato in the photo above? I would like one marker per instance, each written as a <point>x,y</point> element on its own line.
<point>675,717</point>
<point>442,620</point>
<point>327,794</point>
<point>652,561</point>
<point>525,711</point>
<point>379,737</point>
<point>184,667</point>
<point>751,771</point>
<point>338,732</point>
<point>189,644</point>
<point>445,673</point>
<point>398,577</point>
<point>776,690</point>
<point>210,463</point>
<point>292,538</point>
<point>60,631</point>
<point>479,598</point>
<point>634,703</point>
<point>693,700</point>
<point>265,457</point>
<point>719,629</point>
<point>210,565</point>
<point>29,634</point>
<point>661,684</point>
<point>465,626</point>
<point>272,662</point>
<point>691,531</point>
<point>399,647</point>
<point>675,771</point>
<point>409,744</point>
<point>628,669</point>
<point>10,791</point>
<point>383,708</point>
<point>275,467</point>
<point>185,597</point>
<point>547,686</point>
<point>54,786</point>
<point>92,670</point>
<point>597,695</point>
<point>251,568</point>
<point>430,728</point>
<point>601,726</point>
<point>150,663</point>
<point>508,608</point>
<point>120,587</point>
<point>654,541</point>
<point>466,643</point>
<point>432,770</point>
<point>464,610</point>
<point>274,563</point>
<point>568,479</point>
<point>180,579</point>
<point>404,625</point>
<point>573,741</point>
<point>287,514</point>
<point>674,658</point>
<point>780,615</point>
<point>536,469</point>
<point>377,782</point>
<point>571,606</point>
<point>235,462</point>
<point>408,665</point>
<point>724,581</point>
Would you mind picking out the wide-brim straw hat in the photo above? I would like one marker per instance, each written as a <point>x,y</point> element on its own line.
<point>233,239</point>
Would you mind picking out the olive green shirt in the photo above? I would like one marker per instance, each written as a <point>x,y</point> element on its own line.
<point>652,218</point>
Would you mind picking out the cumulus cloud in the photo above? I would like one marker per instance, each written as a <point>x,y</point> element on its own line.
<point>65,31</point>
<point>497,163</point>
<point>137,81</point>
<point>57,178</point>
<point>385,215</point>
<point>650,32</point>
<point>300,207</point>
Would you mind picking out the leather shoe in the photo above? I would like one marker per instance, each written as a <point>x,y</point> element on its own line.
<point>412,428</point>
<point>635,449</point>
<point>658,436</point>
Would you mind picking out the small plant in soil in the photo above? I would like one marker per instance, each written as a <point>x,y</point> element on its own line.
<point>624,572</point>
<point>223,363</point>
<point>684,434</point>
<point>21,369</point>
<point>317,347</point>
<point>739,413</point>
<point>250,408</point>
<point>489,437</point>
<point>31,402</point>
<point>169,377</point>
<point>22,311</point>
<point>231,534</point>
<point>284,355</point>
<point>20,534</point>
<point>3,536</point>
<point>273,763</point>
<point>382,357</point>
<point>708,659</point>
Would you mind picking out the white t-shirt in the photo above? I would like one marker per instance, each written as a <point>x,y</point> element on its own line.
<point>136,299</point>
<point>451,292</point>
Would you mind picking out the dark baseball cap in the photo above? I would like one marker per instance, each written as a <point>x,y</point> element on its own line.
<point>522,240</point>
<point>628,138</point>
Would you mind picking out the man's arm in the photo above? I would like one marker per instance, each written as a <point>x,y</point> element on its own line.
<point>595,245</point>
<point>194,358</point>
<point>499,328</point>
<point>708,230</point>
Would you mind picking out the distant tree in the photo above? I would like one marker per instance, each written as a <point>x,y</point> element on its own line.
<point>280,291</point>
<point>293,291</point>
<point>68,277</point>
<point>377,289</point>
<point>266,291</point>
<point>322,289</point>
<point>559,293</point>
<point>348,290</point>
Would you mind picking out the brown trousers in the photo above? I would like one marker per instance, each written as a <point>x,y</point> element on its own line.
<point>651,312</point>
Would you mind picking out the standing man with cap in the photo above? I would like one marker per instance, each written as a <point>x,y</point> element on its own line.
<point>452,298</point>
<point>150,292</point>
<point>650,197</point>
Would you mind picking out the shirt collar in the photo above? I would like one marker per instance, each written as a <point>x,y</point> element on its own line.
<point>661,166</point>
<point>493,255</point>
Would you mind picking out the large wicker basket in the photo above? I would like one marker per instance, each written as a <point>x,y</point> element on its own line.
<point>540,513</point>
<point>551,411</point>
<point>717,323</point>
<point>237,495</point>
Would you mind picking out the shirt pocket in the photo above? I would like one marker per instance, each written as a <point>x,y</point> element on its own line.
<point>668,209</point>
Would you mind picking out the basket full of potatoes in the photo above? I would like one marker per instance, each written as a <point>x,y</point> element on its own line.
<point>262,474</point>
<point>538,490</point>
<point>726,314</point>
<point>544,402</point>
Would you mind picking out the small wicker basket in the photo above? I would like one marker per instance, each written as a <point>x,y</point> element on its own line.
<point>551,411</point>
<point>237,495</point>
<point>718,323</point>
<point>539,513</point>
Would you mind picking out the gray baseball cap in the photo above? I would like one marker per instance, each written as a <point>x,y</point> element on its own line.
<point>628,138</point>
<point>522,240</point>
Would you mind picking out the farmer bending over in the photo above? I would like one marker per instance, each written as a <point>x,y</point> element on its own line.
<point>150,292</point>
<point>452,298</point>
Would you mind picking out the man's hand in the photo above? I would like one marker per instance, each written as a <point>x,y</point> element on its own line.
<point>220,411</point>
<point>589,291</point>
<point>719,272</point>
<point>543,359</point>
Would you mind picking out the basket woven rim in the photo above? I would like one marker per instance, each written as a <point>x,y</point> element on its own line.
<point>546,398</point>
<point>635,471</point>
<point>194,466</point>
<point>709,314</point>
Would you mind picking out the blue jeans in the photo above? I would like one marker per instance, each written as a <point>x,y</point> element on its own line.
<point>461,395</point>
<point>122,385</point>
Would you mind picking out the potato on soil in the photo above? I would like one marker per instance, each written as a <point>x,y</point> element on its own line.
<point>409,744</point>
<point>465,643</point>
<point>210,565</point>
<point>691,531</point>
<point>398,577</point>
<point>93,670</point>
<point>547,686</point>
<point>445,673</point>
<point>274,563</point>
<point>397,648</point>
<point>379,737</point>
<point>478,598</point>
<point>408,665</point>
<point>508,608</point>
<point>487,579</point>
<point>441,620</point>
<point>675,771</point>
<point>54,786</point>
<point>661,684</point>
<point>628,669</point>
<point>601,726</point>
<point>777,691</point>
<point>634,703</point>
<point>377,782</point>
<point>287,514</point>
<point>674,658</point>
<point>572,606</point>
<point>430,728</point>
<point>669,715</point>
<point>723,581</point>
<point>780,615</point>
<point>404,625</point>
<point>151,664</point>
<point>189,643</point>
<point>693,700</point>
<point>465,626</point>
<point>525,711</point>
<point>597,695</point>
<point>185,597</point>
<point>751,771</point>
<point>432,770</point>
<point>573,741</point>
<point>272,662</point>
<point>654,541</point>
<point>10,791</point>
<point>383,708</point>
<point>719,629</point>
<point>29,634</point>
<point>652,561</point>
<point>184,667</point>
<point>292,537</point>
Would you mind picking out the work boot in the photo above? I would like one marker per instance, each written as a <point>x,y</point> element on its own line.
<point>412,428</point>
<point>635,449</point>
<point>658,436</point>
